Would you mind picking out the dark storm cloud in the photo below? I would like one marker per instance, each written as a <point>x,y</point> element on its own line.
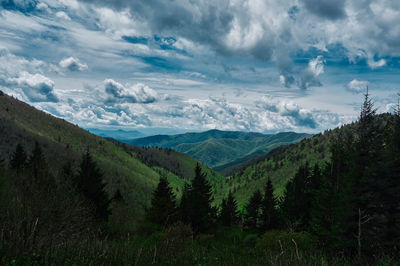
<point>196,20</point>
<point>329,9</point>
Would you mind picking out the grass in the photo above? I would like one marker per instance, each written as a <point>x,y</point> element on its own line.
<point>178,247</point>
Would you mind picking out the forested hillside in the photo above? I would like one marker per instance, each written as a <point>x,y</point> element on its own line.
<point>220,149</point>
<point>124,170</point>
<point>279,165</point>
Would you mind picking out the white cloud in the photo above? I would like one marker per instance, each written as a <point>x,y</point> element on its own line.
<point>72,64</point>
<point>376,64</point>
<point>138,93</point>
<point>12,65</point>
<point>357,86</point>
<point>16,77</point>
<point>62,15</point>
<point>309,76</point>
<point>36,87</point>
<point>297,116</point>
<point>43,7</point>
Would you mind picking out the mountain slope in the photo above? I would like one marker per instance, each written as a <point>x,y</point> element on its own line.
<point>62,141</point>
<point>219,149</point>
<point>279,165</point>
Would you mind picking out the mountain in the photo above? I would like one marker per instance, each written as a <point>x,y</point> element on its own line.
<point>116,133</point>
<point>280,164</point>
<point>220,149</point>
<point>126,168</point>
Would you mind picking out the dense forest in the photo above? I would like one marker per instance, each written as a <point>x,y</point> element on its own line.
<point>341,209</point>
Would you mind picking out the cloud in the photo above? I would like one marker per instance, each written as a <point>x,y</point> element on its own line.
<point>16,75</point>
<point>36,87</point>
<point>62,15</point>
<point>43,7</point>
<point>326,8</point>
<point>286,80</point>
<point>260,29</point>
<point>357,86</point>
<point>376,64</point>
<point>296,115</point>
<point>22,5</point>
<point>309,76</point>
<point>138,93</point>
<point>72,64</point>
<point>12,65</point>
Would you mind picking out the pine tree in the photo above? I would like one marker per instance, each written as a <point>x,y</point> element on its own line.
<point>89,182</point>
<point>184,209</point>
<point>269,215</point>
<point>297,202</point>
<point>390,184</point>
<point>18,158</point>
<point>367,178</point>
<point>332,205</point>
<point>200,197</point>
<point>38,168</point>
<point>163,206</point>
<point>229,213</point>
<point>253,211</point>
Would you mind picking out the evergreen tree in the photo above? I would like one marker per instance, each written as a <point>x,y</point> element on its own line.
<point>163,208</point>
<point>333,199</point>
<point>18,158</point>
<point>184,206</point>
<point>89,182</point>
<point>269,215</point>
<point>200,197</point>
<point>253,212</point>
<point>368,181</point>
<point>390,184</point>
<point>229,213</point>
<point>38,168</point>
<point>297,199</point>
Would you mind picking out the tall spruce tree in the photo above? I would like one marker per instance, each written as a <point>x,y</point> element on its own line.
<point>89,182</point>
<point>367,178</point>
<point>390,184</point>
<point>38,168</point>
<point>269,215</point>
<point>18,158</point>
<point>333,199</point>
<point>253,212</point>
<point>200,198</point>
<point>184,208</point>
<point>229,213</point>
<point>163,204</point>
<point>297,202</point>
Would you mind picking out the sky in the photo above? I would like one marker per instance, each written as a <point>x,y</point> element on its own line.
<point>182,65</point>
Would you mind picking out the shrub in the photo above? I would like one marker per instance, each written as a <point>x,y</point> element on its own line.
<point>250,240</point>
<point>279,240</point>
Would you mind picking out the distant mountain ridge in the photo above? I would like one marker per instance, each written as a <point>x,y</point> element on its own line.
<point>116,133</point>
<point>220,149</point>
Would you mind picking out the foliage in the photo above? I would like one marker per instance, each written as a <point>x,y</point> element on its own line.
<point>18,159</point>
<point>220,149</point>
<point>196,203</point>
<point>89,182</point>
<point>229,214</point>
<point>252,221</point>
<point>163,206</point>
